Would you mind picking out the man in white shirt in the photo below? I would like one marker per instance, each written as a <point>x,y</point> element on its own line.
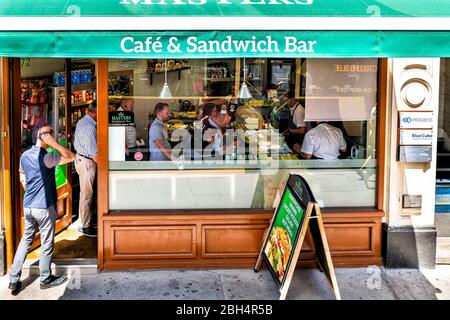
<point>323,142</point>
<point>127,104</point>
<point>297,125</point>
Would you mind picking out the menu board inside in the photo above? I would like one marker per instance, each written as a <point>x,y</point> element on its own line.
<point>283,235</point>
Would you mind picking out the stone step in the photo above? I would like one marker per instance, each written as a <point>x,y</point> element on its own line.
<point>59,267</point>
<point>443,250</point>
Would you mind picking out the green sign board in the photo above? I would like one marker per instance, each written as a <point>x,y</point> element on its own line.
<point>302,8</point>
<point>121,118</point>
<point>296,214</point>
<point>61,170</point>
<point>283,235</point>
<point>225,44</point>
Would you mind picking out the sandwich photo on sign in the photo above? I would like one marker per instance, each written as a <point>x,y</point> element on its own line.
<point>296,213</point>
<point>283,236</point>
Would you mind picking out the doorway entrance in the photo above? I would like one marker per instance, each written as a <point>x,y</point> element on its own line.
<point>56,93</point>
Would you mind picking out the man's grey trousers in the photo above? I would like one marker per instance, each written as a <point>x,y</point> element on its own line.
<point>34,220</point>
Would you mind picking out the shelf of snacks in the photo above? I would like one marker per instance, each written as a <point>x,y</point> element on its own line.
<point>175,124</point>
<point>84,86</point>
<point>220,79</point>
<point>179,116</point>
<point>81,86</point>
<point>158,66</point>
<point>33,91</point>
<point>173,70</point>
<point>78,98</point>
<point>184,115</point>
<point>82,104</point>
<point>259,103</point>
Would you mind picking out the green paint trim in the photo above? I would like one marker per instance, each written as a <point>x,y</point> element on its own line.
<point>315,44</point>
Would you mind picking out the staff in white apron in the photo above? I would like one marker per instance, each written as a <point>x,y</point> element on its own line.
<point>297,126</point>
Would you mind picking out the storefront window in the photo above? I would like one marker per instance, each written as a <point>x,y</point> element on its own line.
<point>212,144</point>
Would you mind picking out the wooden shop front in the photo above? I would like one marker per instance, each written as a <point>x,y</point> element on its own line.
<point>212,213</point>
<point>206,214</point>
<point>176,232</point>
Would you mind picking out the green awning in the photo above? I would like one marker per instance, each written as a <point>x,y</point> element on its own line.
<point>382,28</point>
<point>208,44</point>
<point>300,8</point>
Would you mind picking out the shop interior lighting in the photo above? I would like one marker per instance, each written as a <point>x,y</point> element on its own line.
<point>244,93</point>
<point>165,91</point>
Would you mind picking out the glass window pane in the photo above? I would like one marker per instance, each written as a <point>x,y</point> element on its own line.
<point>207,146</point>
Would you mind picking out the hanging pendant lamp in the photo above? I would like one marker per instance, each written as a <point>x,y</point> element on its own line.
<point>244,93</point>
<point>165,91</point>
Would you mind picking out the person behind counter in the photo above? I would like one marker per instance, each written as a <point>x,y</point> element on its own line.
<point>127,105</point>
<point>323,142</point>
<point>160,148</point>
<point>297,126</point>
<point>215,119</point>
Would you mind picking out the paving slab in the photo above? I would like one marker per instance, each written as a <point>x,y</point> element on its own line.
<point>443,250</point>
<point>373,283</point>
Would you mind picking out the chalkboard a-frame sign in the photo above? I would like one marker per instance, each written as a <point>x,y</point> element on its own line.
<point>296,212</point>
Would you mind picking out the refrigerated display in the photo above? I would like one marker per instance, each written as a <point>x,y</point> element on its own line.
<point>81,97</point>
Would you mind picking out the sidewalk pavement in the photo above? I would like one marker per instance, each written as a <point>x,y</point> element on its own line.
<point>371,283</point>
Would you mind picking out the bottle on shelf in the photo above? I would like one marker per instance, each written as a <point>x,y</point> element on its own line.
<point>83,76</point>
<point>59,79</point>
<point>89,75</point>
<point>75,77</point>
<point>55,79</point>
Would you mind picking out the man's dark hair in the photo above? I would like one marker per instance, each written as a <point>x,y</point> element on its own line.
<point>160,106</point>
<point>209,108</point>
<point>291,94</point>
<point>43,131</point>
<point>93,107</point>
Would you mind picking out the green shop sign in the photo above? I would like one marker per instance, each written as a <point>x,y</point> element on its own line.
<point>121,118</point>
<point>283,235</point>
<point>231,44</point>
<point>303,8</point>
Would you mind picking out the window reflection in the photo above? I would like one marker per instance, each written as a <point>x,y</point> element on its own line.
<point>311,115</point>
